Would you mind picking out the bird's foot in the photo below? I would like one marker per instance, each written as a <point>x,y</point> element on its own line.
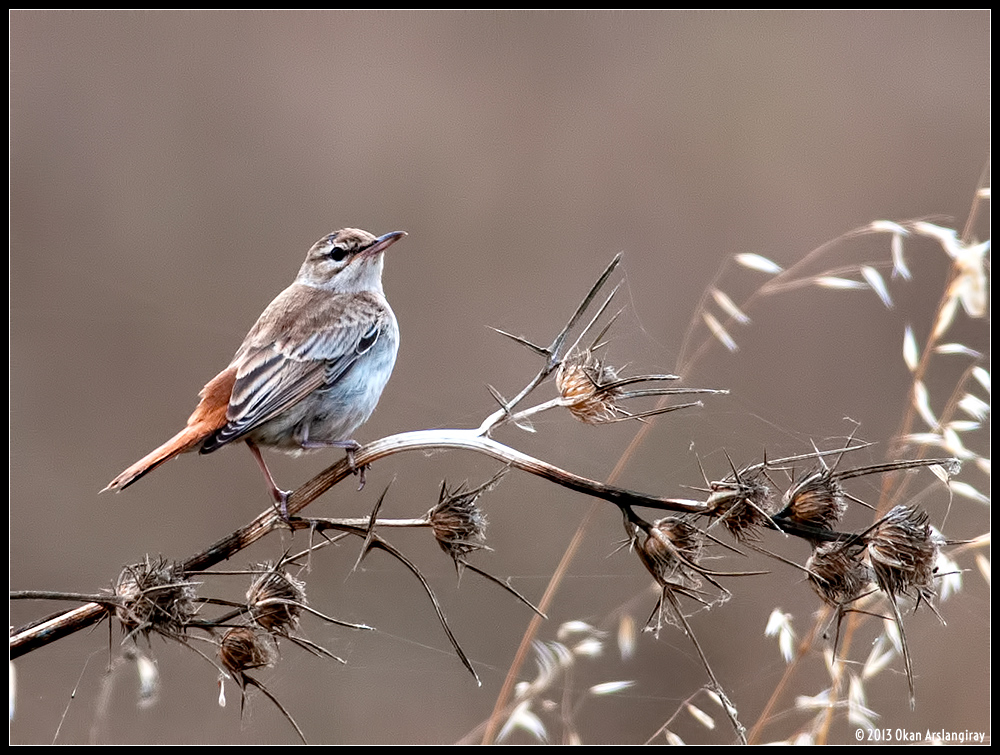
<point>358,470</point>
<point>279,496</point>
<point>350,445</point>
<point>281,503</point>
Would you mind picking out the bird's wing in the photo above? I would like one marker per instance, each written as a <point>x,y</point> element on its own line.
<point>306,340</point>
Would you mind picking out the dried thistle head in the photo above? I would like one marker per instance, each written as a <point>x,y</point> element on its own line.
<point>594,393</point>
<point>902,551</point>
<point>671,551</point>
<point>275,599</point>
<point>155,596</point>
<point>457,521</point>
<point>586,385</point>
<point>817,500</point>
<point>242,649</point>
<point>838,573</point>
<point>742,504</point>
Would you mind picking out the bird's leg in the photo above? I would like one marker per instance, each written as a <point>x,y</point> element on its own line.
<point>280,496</point>
<point>351,446</point>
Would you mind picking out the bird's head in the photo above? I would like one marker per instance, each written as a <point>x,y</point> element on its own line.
<point>349,260</point>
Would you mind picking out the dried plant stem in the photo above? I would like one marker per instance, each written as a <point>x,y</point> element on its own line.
<point>473,440</point>
<point>785,280</point>
<point>502,703</point>
<point>754,737</point>
<point>249,680</point>
<point>48,630</point>
<point>889,494</point>
<point>853,622</point>
<point>501,707</point>
<point>715,686</point>
<point>920,371</point>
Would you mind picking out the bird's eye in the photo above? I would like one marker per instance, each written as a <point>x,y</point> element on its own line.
<point>338,253</point>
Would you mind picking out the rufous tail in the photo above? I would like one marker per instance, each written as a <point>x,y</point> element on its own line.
<point>189,438</point>
<point>208,417</point>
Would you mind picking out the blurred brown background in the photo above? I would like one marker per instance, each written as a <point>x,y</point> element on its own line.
<point>168,171</point>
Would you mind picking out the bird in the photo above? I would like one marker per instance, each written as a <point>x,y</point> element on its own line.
<point>309,372</point>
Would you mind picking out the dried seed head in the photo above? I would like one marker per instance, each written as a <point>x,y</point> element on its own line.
<point>671,551</point>
<point>902,551</point>
<point>583,380</point>
<point>155,596</point>
<point>743,505</point>
<point>837,572</point>
<point>816,500</point>
<point>275,599</point>
<point>594,393</point>
<point>242,649</point>
<point>458,523</point>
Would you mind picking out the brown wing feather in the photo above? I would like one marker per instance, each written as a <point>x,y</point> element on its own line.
<point>305,340</point>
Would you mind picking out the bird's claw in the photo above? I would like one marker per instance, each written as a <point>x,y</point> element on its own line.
<point>281,503</point>
<point>355,469</point>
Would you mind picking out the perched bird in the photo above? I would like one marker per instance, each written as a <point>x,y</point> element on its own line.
<point>309,372</point>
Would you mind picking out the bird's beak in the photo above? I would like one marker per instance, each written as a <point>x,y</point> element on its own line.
<point>382,243</point>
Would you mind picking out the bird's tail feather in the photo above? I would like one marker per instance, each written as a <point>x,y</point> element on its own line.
<point>188,439</point>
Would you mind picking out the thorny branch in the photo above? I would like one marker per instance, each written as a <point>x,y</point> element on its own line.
<point>50,629</point>
<point>670,548</point>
